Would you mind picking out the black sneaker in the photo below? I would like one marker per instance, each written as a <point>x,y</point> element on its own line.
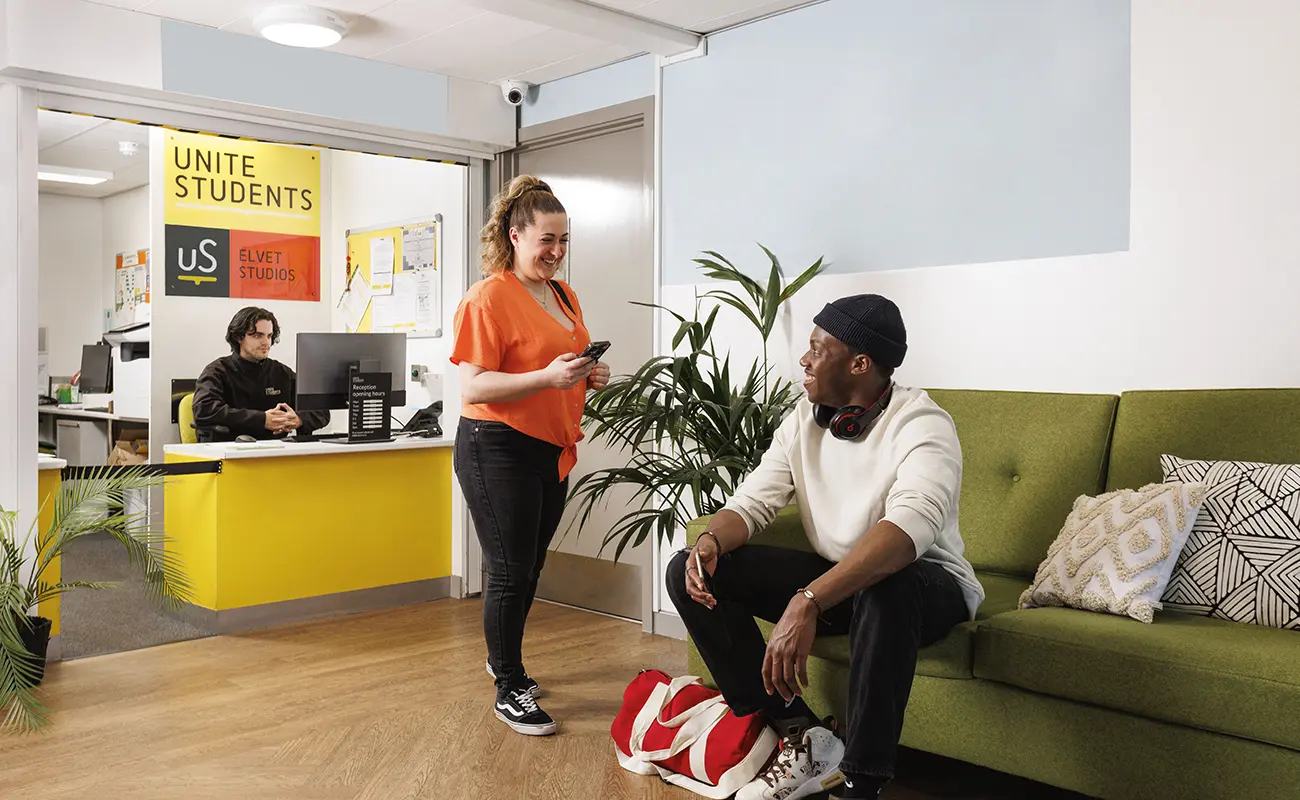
<point>529,684</point>
<point>519,710</point>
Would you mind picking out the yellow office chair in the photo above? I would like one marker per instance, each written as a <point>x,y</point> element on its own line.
<point>185,419</point>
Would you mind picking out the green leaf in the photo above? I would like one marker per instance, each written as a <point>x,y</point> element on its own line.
<point>690,424</point>
<point>798,283</point>
<point>77,510</point>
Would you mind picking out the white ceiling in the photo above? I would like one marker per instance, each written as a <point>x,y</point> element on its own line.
<point>68,140</point>
<point>459,38</point>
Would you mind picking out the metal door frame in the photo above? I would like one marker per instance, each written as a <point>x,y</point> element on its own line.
<point>629,116</point>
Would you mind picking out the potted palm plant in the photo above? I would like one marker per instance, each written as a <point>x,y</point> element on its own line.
<point>693,427</point>
<point>78,510</point>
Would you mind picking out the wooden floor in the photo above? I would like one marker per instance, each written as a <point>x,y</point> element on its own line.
<point>389,705</point>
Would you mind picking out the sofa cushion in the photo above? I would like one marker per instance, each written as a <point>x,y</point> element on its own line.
<point>1001,593</point>
<point>1026,456</point>
<point>1208,424</point>
<point>1219,676</point>
<point>1242,562</point>
<point>1117,551</point>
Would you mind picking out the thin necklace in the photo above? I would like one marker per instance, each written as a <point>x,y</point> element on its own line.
<point>542,299</point>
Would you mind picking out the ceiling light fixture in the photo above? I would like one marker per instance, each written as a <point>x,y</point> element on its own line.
<point>84,177</point>
<point>128,148</point>
<point>301,26</point>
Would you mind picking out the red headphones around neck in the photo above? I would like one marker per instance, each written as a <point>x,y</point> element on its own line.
<point>850,422</point>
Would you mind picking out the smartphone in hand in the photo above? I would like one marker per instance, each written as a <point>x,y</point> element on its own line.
<point>594,350</point>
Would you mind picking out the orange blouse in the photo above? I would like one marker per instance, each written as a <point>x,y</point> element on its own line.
<point>500,327</point>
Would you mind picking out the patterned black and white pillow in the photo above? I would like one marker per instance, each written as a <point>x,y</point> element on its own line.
<point>1242,560</point>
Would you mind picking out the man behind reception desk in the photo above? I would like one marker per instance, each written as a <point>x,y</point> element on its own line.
<point>248,393</point>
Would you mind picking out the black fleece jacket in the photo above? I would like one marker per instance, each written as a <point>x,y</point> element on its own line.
<point>235,393</point>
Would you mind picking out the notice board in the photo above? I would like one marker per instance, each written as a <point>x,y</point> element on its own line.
<point>393,279</point>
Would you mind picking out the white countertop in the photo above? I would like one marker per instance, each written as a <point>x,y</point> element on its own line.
<point>81,413</point>
<point>44,461</point>
<point>272,449</point>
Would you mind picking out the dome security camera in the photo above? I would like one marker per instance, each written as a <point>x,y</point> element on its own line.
<point>514,92</point>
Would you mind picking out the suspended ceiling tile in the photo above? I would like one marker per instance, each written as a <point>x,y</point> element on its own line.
<point>443,50</point>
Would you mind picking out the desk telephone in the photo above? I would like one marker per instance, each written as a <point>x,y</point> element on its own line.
<point>425,422</point>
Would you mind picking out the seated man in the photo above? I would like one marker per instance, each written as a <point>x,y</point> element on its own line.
<point>247,392</point>
<point>876,472</point>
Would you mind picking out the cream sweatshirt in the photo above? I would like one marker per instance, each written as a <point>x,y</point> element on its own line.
<point>906,469</point>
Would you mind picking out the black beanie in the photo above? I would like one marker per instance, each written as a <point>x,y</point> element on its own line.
<point>870,323</point>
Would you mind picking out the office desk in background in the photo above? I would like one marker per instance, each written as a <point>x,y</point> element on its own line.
<point>292,531</point>
<point>82,437</point>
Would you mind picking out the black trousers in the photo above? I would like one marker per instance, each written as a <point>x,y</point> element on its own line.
<point>886,623</point>
<point>515,497</point>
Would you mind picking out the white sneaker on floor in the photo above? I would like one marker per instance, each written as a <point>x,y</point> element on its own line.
<point>803,768</point>
<point>532,687</point>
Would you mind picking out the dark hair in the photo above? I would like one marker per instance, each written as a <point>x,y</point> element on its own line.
<point>517,206</point>
<point>245,322</point>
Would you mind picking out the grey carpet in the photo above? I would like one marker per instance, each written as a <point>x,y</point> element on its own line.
<point>112,620</point>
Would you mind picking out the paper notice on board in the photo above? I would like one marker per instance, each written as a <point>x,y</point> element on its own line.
<point>418,248</point>
<point>381,264</point>
<point>381,313</point>
<point>355,301</point>
<point>404,301</point>
<point>426,301</point>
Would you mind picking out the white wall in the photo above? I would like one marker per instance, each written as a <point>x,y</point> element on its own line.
<point>366,191</point>
<point>72,269</point>
<point>1199,300</point>
<point>126,230</point>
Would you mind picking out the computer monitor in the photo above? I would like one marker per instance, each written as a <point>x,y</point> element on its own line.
<point>96,369</point>
<point>324,360</point>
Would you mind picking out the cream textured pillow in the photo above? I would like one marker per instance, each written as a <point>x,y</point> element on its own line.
<point>1117,551</point>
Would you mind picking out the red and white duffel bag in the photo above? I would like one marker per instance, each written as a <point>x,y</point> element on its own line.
<point>684,732</point>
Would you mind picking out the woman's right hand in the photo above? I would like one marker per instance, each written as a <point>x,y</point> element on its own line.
<point>567,371</point>
<point>706,547</point>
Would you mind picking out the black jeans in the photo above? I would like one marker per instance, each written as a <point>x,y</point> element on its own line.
<point>515,497</point>
<point>887,623</point>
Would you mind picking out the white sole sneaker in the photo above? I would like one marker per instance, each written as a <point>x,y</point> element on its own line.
<point>817,786</point>
<point>527,730</point>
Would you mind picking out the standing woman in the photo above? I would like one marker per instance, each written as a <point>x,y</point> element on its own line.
<point>518,335</point>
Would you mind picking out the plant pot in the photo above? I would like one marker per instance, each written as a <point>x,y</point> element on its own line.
<point>37,641</point>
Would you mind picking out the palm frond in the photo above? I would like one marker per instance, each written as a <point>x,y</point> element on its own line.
<point>93,502</point>
<point>692,424</point>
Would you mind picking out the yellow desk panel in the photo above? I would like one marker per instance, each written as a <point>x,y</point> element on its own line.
<point>190,521</point>
<point>267,530</point>
<point>47,489</point>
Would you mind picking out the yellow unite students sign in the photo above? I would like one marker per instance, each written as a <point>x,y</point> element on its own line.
<point>242,218</point>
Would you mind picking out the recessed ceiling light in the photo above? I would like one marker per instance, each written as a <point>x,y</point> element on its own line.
<point>84,177</point>
<point>301,26</point>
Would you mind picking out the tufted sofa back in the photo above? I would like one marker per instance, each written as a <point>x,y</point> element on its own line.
<point>1026,456</point>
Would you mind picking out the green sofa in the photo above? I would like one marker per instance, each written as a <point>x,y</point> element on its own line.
<point>1187,707</point>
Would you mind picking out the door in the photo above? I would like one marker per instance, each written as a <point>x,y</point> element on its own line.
<point>600,166</point>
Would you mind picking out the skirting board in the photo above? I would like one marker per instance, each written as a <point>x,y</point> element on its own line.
<point>249,618</point>
<point>669,625</point>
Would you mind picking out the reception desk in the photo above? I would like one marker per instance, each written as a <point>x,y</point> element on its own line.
<point>290,531</point>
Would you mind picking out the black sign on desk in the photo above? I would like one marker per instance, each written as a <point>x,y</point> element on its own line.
<point>370,406</point>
